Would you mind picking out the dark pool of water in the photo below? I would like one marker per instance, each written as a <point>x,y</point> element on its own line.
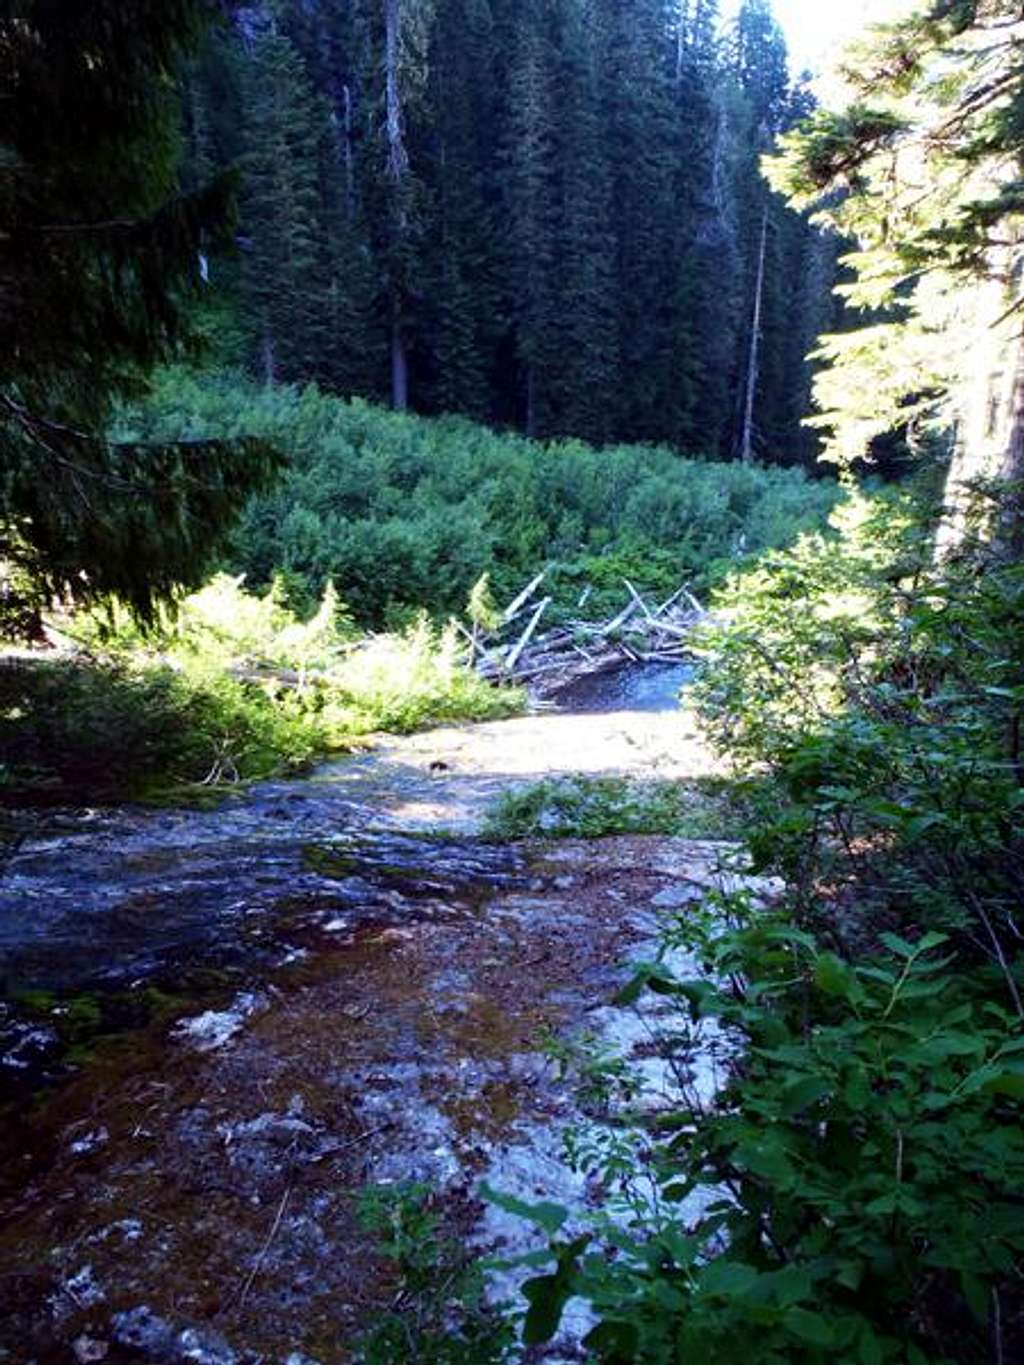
<point>653,687</point>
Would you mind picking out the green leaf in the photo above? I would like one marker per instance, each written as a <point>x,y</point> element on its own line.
<point>933,939</point>
<point>810,1327</point>
<point>1005,1083</point>
<point>613,1340</point>
<point>547,1296</point>
<point>976,1294</point>
<point>727,1278</point>
<point>869,1349</point>
<point>898,945</point>
<point>850,1274</point>
<point>683,1250</point>
<point>802,1093</point>
<point>544,1215</point>
<point>832,975</point>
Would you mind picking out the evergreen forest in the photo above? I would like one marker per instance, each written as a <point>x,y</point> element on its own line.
<point>546,217</point>
<point>511,684</point>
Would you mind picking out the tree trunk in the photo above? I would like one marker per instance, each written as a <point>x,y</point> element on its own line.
<point>269,360</point>
<point>1010,528</point>
<point>398,166</point>
<point>990,421</point>
<point>746,447</point>
<point>398,159</point>
<point>531,406</point>
<point>399,362</point>
<point>682,36</point>
<point>350,198</point>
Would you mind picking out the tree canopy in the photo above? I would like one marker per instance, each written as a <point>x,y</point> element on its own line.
<point>921,164</point>
<point>545,214</point>
<point>98,254</point>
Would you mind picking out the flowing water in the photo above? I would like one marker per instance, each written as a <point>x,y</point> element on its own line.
<point>218,1026</point>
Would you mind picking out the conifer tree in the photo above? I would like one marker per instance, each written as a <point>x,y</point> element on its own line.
<point>98,252</point>
<point>462,285</point>
<point>588,390</point>
<point>527,180</point>
<point>541,212</point>
<point>922,165</point>
<point>287,260</point>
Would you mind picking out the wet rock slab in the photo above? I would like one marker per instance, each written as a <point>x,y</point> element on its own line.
<point>218,1027</point>
<point>196,1191</point>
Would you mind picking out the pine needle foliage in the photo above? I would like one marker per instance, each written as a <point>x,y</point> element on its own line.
<point>98,254</point>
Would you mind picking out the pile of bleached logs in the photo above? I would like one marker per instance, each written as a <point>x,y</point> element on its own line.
<point>519,650</point>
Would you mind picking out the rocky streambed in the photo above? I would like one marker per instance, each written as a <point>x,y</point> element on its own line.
<point>220,1026</point>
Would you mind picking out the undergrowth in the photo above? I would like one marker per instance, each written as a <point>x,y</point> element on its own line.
<point>231,688</point>
<point>593,807</point>
<point>439,1314</point>
<point>405,513</point>
<point>854,1190</point>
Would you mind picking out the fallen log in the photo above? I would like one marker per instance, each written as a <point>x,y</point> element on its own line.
<point>523,640</point>
<point>549,660</point>
<point>514,606</point>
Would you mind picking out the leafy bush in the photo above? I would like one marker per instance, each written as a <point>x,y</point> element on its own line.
<point>87,732</point>
<point>862,1167</point>
<point>439,1315</point>
<point>404,511</point>
<point>406,681</point>
<point>865,1163</point>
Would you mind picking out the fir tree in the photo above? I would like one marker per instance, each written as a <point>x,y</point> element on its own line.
<point>922,165</point>
<point>527,205</point>
<point>543,212</point>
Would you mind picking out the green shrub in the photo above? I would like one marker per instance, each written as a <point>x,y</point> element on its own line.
<point>439,1315</point>
<point>863,1165</point>
<point>233,687</point>
<point>403,682</point>
<point>405,511</point>
<point>77,732</point>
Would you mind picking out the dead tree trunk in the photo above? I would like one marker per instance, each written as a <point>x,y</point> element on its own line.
<point>746,444</point>
<point>398,169</point>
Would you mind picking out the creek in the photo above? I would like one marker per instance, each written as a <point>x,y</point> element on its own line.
<point>218,1026</point>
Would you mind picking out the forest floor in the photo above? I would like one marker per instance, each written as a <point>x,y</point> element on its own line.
<point>229,1023</point>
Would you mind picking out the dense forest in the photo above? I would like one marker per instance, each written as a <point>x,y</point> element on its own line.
<point>542,215</point>
<point>327,328</point>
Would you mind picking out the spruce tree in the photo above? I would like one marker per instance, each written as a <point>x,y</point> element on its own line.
<point>461,279</point>
<point>542,212</point>
<point>527,205</point>
<point>287,261</point>
<point>587,387</point>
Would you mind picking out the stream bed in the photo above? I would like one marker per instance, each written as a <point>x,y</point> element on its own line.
<point>219,1026</point>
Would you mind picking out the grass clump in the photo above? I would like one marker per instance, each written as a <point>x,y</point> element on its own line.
<point>593,807</point>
